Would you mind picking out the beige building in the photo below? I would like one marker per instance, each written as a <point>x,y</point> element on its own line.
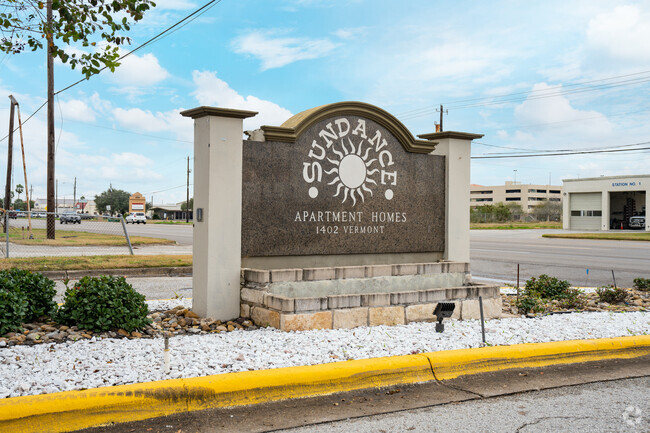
<point>528,196</point>
<point>606,203</point>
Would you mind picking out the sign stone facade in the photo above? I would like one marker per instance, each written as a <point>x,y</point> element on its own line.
<point>345,186</point>
<point>339,218</point>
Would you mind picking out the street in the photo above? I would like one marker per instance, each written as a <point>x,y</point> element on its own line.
<point>617,406</point>
<point>600,396</point>
<point>495,254</point>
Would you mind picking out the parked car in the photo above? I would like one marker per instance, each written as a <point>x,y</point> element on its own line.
<point>13,214</point>
<point>136,217</point>
<point>70,217</point>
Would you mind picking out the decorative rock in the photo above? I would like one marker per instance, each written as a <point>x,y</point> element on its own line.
<point>122,332</point>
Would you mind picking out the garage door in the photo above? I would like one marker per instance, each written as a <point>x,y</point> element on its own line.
<point>586,211</point>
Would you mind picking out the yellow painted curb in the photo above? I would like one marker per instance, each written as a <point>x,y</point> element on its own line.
<point>455,363</point>
<point>72,410</point>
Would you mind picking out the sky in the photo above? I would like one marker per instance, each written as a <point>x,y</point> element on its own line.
<point>531,76</point>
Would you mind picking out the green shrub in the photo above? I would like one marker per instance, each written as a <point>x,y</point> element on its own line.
<point>36,290</point>
<point>104,303</point>
<point>13,308</point>
<point>611,295</point>
<point>547,288</point>
<point>39,291</point>
<point>527,304</point>
<point>574,298</point>
<point>642,284</point>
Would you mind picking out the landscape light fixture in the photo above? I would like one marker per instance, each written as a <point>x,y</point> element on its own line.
<point>443,310</point>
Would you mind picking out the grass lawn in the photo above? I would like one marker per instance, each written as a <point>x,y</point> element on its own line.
<point>95,262</point>
<point>70,238</point>
<point>515,225</point>
<point>641,236</point>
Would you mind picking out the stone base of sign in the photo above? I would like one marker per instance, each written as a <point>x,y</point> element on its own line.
<point>342,298</point>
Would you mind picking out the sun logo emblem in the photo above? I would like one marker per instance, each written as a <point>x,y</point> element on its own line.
<point>352,167</point>
<point>352,171</point>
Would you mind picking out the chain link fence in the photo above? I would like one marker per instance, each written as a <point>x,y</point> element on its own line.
<point>25,234</point>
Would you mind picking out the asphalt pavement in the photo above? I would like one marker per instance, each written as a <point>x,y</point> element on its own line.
<point>616,406</point>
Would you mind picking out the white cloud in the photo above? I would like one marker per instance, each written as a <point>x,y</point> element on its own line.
<point>622,34</point>
<point>275,52</point>
<point>158,123</point>
<point>555,114</point>
<point>210,90</point>
<point>350,33</point>
<point>78,110</point>
<point>136,73</point>
<point>178,5</point>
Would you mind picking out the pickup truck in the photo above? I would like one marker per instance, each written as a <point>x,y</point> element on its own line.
<point>70,217</point>
<point>637,222</point>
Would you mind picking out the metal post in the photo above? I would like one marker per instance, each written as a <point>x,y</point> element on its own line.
<point>517,283</point>
<point>126,234</point>
<point>614,278</point>
<point>480,307</point>
<point>7,234</point>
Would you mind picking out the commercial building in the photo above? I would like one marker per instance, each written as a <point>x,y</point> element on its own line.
<point>528,196</point>
<point>606,202</point>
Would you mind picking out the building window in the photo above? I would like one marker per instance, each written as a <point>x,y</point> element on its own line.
<point>480,192</point>
<point>481,199</point>
<point>588,213</point>
<point>555,191</point>
<point>536,198</point>
<point>537,191</point>
<point>513,191</point>
<point>554,199</point>
<point>513,198</point>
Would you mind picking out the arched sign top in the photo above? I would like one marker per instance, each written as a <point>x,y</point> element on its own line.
<point>296,125</point>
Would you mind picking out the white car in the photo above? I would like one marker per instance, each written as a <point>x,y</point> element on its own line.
<point>136,217</point>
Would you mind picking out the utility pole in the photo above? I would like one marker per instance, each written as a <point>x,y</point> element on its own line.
<point>51,227</point>
<point>56,201</point>
<point>441,111</point>
<point>187,202</point>
<point>22,149</point>
<point>74,196</point>
<point>10,152</point>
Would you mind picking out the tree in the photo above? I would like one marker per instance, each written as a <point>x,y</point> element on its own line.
<point>184,205</point>
<point>117,199</point>
<point>96,25</point>
<point>549,211</point>
<point>19,190</point>
<point>22,205</point>
<point>516,211</point>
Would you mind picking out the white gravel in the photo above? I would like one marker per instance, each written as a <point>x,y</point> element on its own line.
<point>48,368</point>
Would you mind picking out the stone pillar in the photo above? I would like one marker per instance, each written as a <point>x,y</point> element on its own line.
<point>604,225</point>
<point>566,209</point>
<point>647,209</point>
<point>216,250</point>
<point>456,147</point>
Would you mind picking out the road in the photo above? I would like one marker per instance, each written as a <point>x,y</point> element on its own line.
<point>181,233</point>
<point>617,406</point>
<point>590,397</point>
<point>495,254</point>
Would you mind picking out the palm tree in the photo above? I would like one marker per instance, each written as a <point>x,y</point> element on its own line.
<point>19,190</point>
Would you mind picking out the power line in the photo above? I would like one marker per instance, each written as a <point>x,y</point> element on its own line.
<point>159,36</point>
<point>418,112</point>
<point>565,153</point>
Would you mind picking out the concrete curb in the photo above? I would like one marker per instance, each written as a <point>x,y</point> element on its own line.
<point>74,410</point>
<point>173,271</point>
